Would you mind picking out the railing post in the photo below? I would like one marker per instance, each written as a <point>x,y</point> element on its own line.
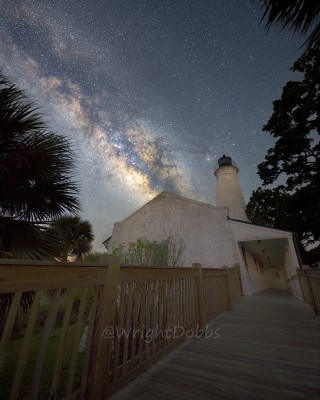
<point>105,317</point>
<point>201,316</point>
<point>301,283</point>
<point>229,302</point>
<point>313,301</point>
<point>240,280</point>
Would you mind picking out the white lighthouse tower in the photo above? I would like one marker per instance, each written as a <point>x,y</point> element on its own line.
<point>228,188</point>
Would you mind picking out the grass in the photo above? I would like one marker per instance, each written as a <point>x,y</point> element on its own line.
<point>12,356</point>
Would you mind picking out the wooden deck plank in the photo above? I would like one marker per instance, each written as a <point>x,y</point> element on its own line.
<point>269,346</point>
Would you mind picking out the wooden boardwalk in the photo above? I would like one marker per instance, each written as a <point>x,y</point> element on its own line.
<point>269,348</point>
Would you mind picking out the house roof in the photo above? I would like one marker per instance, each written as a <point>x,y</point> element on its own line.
<point>106,242</point>
<point>165,194</point>
<point>268,245</point>
<point>259,225</point>
<point>244,231</point>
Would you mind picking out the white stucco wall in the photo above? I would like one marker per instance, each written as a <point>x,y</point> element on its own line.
<point>203,227</point>
<point>263,278</point>
<point>291,265</point>
<point>243,232</point>
<point>211,239</point>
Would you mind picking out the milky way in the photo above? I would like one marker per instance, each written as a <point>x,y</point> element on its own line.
<point>150,93</point>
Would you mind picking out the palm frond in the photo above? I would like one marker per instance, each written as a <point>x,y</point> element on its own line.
<point>299,16</point>
<point>75,235</point>
<point>36,181</point>
<point>23,240</point>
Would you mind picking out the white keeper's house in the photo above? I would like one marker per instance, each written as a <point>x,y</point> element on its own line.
<point>217,236</point>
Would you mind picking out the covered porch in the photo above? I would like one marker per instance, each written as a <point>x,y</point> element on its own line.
<point>268,258</point>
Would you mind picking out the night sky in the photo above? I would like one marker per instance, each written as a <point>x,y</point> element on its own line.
<point>150,93</point>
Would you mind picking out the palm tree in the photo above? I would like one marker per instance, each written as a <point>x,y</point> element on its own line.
<point>298,15</point>
<point>74,235</point>
<point>35,177</point>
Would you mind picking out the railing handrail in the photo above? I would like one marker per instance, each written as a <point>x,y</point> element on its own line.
<point>22,263</point>
<point>310,285</point>
<point>123,297</point>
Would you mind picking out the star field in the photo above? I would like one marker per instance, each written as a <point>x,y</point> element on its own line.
<point>150,93</point>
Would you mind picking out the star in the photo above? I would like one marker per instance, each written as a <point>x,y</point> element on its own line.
<point>150,94</point>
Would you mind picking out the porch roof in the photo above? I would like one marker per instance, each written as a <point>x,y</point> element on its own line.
<point>268,245</point>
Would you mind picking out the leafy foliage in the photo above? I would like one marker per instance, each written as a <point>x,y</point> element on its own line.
<point>268,207</point>
<point>294,159</point>
<point>93,257</point>
<point>74,236</point>
<point>298,15</point>
<point>295,123</point>
<point>23,239</point>
<point>168,252</point>
<point>35,176</point>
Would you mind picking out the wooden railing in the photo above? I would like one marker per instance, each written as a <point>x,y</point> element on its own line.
<point>124,319</point>
<point>56,288</point>
<point>310,284</point>
<point>222,289</point>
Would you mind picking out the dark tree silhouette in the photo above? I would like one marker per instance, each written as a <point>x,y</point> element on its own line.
<point>298,15</point>
<point>295,159</point>
<point>35,176</point>
<point>74,236</point>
